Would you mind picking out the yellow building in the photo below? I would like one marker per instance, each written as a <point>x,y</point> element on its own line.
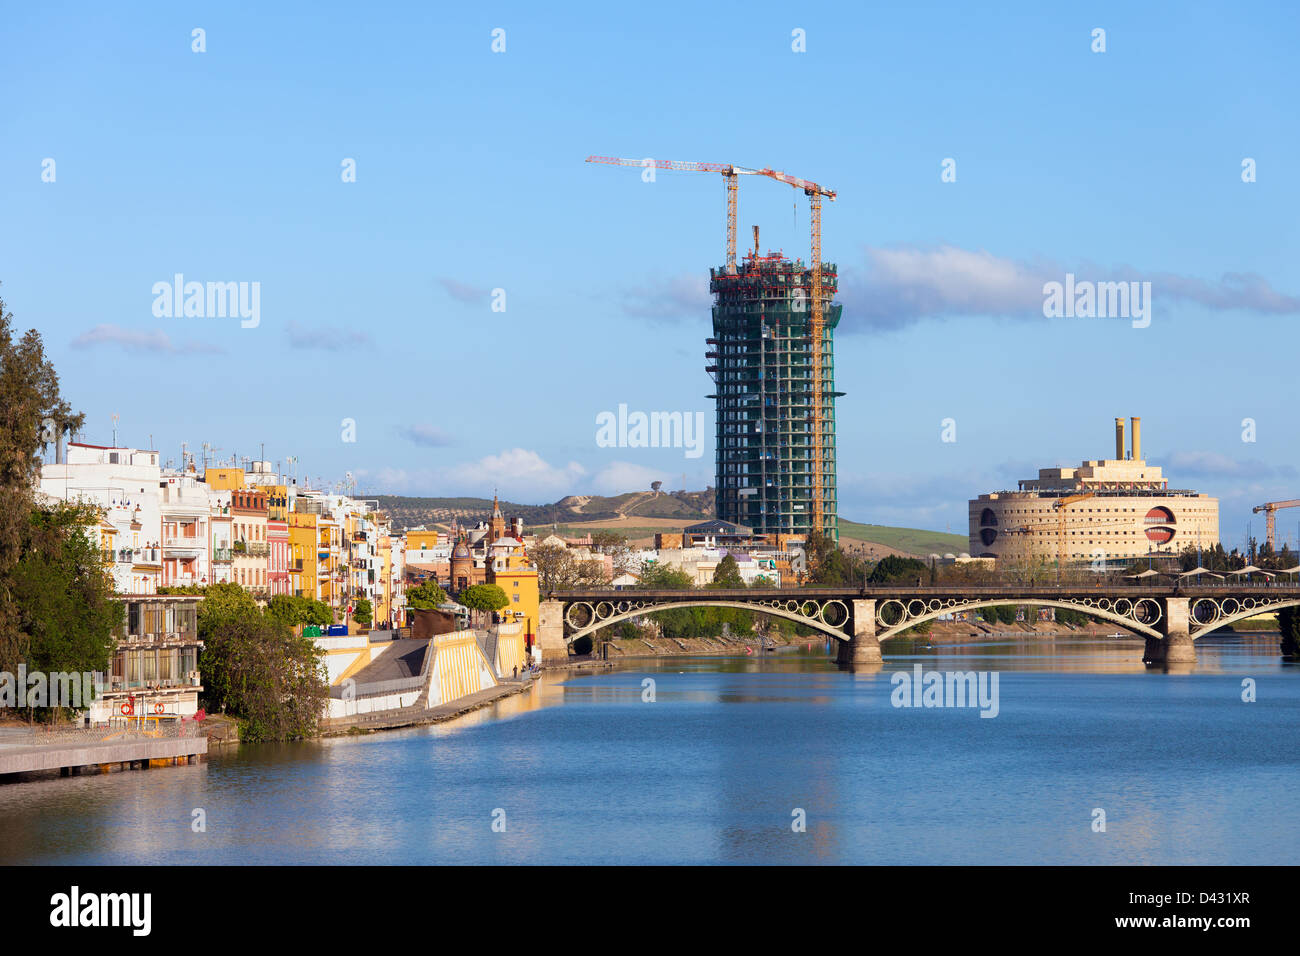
<point>315,568</point>
<point>1105,509</point>
<point>423,540</point>
<point>224,479</point>
<point>508,568</point>
<point>302,555</point>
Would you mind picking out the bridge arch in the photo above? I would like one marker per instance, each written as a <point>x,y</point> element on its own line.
<point>1127,623</point>
<point>1224,621</point>
<point>830,631</point>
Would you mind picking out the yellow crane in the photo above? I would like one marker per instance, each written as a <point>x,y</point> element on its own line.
<point>1270,517</point>
<point>814,192</point>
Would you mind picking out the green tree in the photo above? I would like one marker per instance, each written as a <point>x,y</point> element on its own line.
<point>364,612</point>
<point>426,596</point>
<point>258,671</point>
<point>63,595</point>
<point>727,574</point>
<point>1288,625</point>
<point>32,415</point>
<point>894,569</point>
<point>663,577</point>
<point>484,597</point>
<point>254,667</point>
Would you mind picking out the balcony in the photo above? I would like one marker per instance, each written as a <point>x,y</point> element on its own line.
<point>221,555</point>
<point>184,543</point>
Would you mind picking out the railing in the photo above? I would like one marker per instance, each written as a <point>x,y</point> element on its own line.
<point>221,554</point>
<point>378,688</point>
<point>183,541</point>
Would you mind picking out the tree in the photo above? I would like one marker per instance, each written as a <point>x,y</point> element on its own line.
<point>258,671</point>
<point>663,577</point>
<point>291,610</point>
<point>893,568</point>
<point>363,613</point>
<point>727,574</point>
<point>1288,625</point>
<point>32,414</point>
<point>66,613</point>
<point>559,570</point>
<point>605,539</point>
<point>425,596</point>
<point>655,486</point>
<point>484,597</point>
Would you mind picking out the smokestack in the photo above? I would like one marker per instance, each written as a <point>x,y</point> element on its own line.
<point>1119,438</point>
<point>1137,438</point>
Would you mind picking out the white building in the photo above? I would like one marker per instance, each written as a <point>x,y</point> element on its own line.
<point>124,483</point>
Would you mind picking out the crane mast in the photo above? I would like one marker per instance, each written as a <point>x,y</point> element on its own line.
<point>814,192</point>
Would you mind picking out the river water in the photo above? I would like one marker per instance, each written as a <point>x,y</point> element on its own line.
<point>716,768</point>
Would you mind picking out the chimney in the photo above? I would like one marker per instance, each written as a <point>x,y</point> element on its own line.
<point>1119,438</point>
<point>1137,438</point>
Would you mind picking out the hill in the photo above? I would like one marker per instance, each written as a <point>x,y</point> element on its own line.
<point>907,541</point>
<point>640,514</point>
<point>680,506</point>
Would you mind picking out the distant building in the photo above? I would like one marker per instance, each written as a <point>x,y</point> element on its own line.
<point>1109,509</point>
<point>154,668</point>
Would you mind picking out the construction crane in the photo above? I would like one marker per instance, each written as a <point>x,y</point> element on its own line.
<point>814,192</point>
<point>1270,508</point>
<point>729,175</point>
<point>1060,506</point>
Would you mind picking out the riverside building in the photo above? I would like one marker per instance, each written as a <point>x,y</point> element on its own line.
<point>1114,508</point>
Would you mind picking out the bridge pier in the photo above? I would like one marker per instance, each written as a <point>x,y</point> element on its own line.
<point>550,632</point>
<point>863,652</point>
<point>1175,646</point>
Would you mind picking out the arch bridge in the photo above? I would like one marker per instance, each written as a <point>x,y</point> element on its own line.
<point>861,619</point>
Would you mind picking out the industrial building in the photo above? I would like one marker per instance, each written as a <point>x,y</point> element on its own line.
<point>761,357</point>
<point>1112,509</point>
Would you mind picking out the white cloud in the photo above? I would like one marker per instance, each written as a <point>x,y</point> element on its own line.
<point>140,340</point>
<point>519,473</point>
<point>902,284</point>
<point>620,477</point>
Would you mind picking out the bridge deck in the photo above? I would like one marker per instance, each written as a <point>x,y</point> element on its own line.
<point>1049,591</point>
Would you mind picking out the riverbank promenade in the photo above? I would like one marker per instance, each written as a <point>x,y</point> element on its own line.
<point>99,750</point>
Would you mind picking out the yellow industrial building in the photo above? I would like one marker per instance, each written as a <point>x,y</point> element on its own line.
<point>1107,509</point>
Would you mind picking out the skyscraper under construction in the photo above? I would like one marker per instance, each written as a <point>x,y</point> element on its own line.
<point>761,359</point>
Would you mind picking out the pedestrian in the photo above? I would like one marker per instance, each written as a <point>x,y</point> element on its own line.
<point>516,673</point>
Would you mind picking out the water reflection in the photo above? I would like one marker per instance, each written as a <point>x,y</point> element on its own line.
<point>586,769</point>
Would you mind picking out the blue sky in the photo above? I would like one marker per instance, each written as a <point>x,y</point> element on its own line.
<point>375,295</point>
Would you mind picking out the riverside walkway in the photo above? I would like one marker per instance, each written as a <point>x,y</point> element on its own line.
<point>74,750</point>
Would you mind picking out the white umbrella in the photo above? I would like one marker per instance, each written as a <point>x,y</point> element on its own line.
<point>1144,574</point>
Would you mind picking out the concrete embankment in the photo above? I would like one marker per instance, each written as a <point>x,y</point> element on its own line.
<point>414,717</point>
<point>70,752</point>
